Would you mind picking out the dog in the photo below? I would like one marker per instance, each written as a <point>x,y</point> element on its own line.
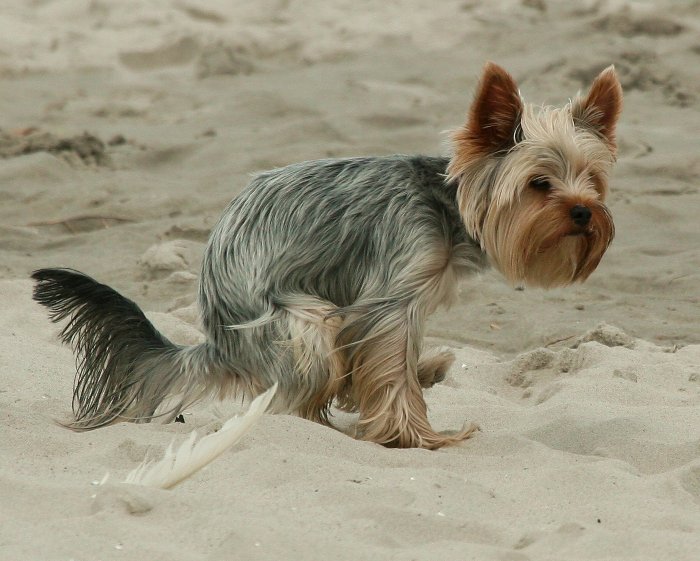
<point>319,276</point>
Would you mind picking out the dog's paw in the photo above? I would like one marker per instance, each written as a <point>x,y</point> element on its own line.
<point>433,366</point>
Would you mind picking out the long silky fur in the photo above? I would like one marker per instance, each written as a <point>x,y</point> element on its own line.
<point>125,367</point>
<point>320,275</point>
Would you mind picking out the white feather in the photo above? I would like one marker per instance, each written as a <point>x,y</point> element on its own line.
<point>191,456</point>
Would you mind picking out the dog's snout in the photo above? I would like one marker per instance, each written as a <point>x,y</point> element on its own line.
<point>581,215</point>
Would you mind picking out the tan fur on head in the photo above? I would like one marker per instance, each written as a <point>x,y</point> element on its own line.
<point>516,198</point>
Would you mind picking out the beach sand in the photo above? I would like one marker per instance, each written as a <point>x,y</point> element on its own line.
<point>127,127</point>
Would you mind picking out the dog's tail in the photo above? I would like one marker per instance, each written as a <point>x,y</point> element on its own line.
<point>126,370</point>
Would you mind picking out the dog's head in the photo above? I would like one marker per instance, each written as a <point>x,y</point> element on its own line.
<point>533,180</point>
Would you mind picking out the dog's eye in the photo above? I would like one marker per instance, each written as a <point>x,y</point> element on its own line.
<point>540,183</point>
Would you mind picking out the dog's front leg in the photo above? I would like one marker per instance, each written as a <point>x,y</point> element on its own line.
<point>383,347</point>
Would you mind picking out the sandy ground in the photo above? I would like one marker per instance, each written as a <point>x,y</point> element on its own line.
<point>127,126</point>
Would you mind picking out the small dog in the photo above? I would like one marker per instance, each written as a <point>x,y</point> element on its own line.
<point>320,275</point>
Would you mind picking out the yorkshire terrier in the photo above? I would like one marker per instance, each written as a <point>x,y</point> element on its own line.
<point>320,275</point>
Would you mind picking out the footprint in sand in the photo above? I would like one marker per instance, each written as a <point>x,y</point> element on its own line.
<point>84,148</point>
<point>176,53</point>
<point>642,70</point>
<point>163,259</point>
<point>219,59</point>
<point>628,24</point>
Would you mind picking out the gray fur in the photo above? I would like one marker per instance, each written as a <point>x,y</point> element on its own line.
<point>351,232</point>
<point>349,237</point>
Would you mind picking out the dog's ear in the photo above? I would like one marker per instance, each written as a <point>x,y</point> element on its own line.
<point>495,112</point>
<point>601,108</point>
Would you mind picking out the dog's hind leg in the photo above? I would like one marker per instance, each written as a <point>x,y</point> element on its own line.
<point>319,367</point>
<point>382,347</point>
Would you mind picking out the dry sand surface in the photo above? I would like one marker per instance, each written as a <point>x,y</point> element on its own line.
<point>126,126</point>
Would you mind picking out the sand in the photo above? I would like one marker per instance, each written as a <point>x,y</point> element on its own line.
<point>128,126</point>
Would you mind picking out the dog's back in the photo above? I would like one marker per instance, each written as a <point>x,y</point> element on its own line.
<point>341,229</point>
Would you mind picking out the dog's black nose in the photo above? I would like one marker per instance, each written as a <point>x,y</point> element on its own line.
<point>580,214</point>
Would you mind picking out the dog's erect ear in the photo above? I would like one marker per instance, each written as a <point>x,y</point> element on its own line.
<point>600,109</point>
<point>495,112</point>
